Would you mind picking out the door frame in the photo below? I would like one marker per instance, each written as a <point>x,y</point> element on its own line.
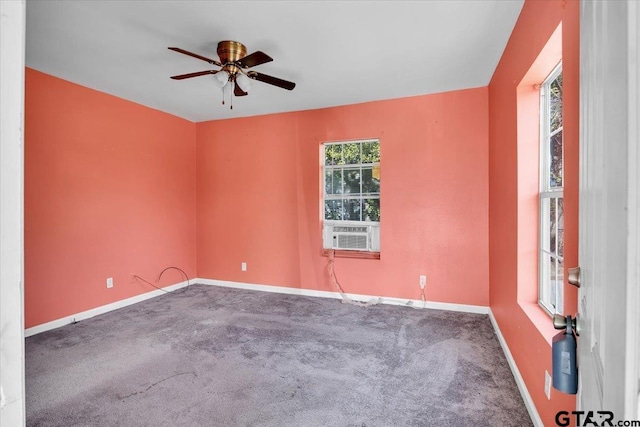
<point>12,53</point>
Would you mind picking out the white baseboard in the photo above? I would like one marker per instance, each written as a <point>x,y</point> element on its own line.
<point>528,401</point>
<point>413,303</point>
<point>101,310</point>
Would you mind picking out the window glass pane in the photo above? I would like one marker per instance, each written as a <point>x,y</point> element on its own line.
<point>328,182</point>
<point>352,210</point>
<point>550,285</point>
<point>545,242</point>
<point>337,181</point>
<point>333,209</point>
<point>555,163</point>
<point>545,278</point>
<point>555,103</point>
<point>371,210</point>
<point>557,288</point>
<point>552,281</point>
<point>371,152</point>
<point>370,184</point>
<point>352,153</point>
<point>552,224</point>
<point>553,272</point>
<point>352,181</point>
<point>333,181</point>
<point>333,154</point>
<point>560,228</point>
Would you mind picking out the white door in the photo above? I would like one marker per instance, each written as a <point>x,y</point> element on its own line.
<point>608,297</point>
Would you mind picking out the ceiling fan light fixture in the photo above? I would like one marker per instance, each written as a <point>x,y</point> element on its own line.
<point>244,82</point>
<point>221,78</point>
<point>233,63</point>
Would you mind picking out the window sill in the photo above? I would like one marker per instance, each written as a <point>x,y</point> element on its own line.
<point>352,254</point>
<point>540,319</point>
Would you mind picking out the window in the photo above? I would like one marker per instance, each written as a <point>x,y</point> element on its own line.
<point>551,222</point>
<point>351,195</point>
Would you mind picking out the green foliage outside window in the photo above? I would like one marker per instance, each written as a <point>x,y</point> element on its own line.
<point>352,181</point>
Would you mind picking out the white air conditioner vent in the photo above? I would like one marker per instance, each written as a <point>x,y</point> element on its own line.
<point>345,229</point>
<point>345,241</point>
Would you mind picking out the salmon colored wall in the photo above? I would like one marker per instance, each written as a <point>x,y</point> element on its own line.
<point>527,330</point>
<point>258,192</point>
<point>109,191</point>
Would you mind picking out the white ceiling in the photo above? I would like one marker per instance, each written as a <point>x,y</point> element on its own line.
<point>337,52</point>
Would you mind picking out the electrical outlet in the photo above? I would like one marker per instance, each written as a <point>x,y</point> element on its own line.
<point>547,384</point>
<point>423,282</point>
<point>110,282</point>
<point>243,267</point>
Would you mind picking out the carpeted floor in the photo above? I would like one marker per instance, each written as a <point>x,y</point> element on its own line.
<point>213,356</point>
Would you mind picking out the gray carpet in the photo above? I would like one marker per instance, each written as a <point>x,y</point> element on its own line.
<point>213,356</point>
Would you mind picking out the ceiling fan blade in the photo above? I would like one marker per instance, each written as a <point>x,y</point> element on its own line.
<point>237,91</point>
<point>195,55</point>
<point>256,58</point>
<point>272,80</point>
<point>196,74</point>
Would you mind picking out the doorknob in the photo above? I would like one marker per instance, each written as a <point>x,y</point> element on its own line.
<point>574,277</point>
<point>560,322</point>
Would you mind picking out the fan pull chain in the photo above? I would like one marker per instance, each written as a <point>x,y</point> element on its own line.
<point>230,98</point>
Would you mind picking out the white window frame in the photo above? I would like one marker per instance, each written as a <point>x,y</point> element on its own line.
<point>372,227</point>
<point>548,195</point>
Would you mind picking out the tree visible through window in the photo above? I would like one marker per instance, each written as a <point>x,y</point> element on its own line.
<point>551,253</point>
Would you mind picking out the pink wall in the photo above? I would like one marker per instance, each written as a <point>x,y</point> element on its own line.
<point>109,191</point>
<point>258,193</point>
<point>527,330</point>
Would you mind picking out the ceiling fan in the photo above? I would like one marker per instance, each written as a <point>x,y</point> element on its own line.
<point>234,64</point>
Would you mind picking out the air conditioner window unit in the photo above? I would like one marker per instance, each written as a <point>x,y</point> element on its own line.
<point>356,237</point>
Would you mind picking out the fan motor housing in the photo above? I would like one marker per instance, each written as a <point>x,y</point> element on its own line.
<point>230,51</point>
